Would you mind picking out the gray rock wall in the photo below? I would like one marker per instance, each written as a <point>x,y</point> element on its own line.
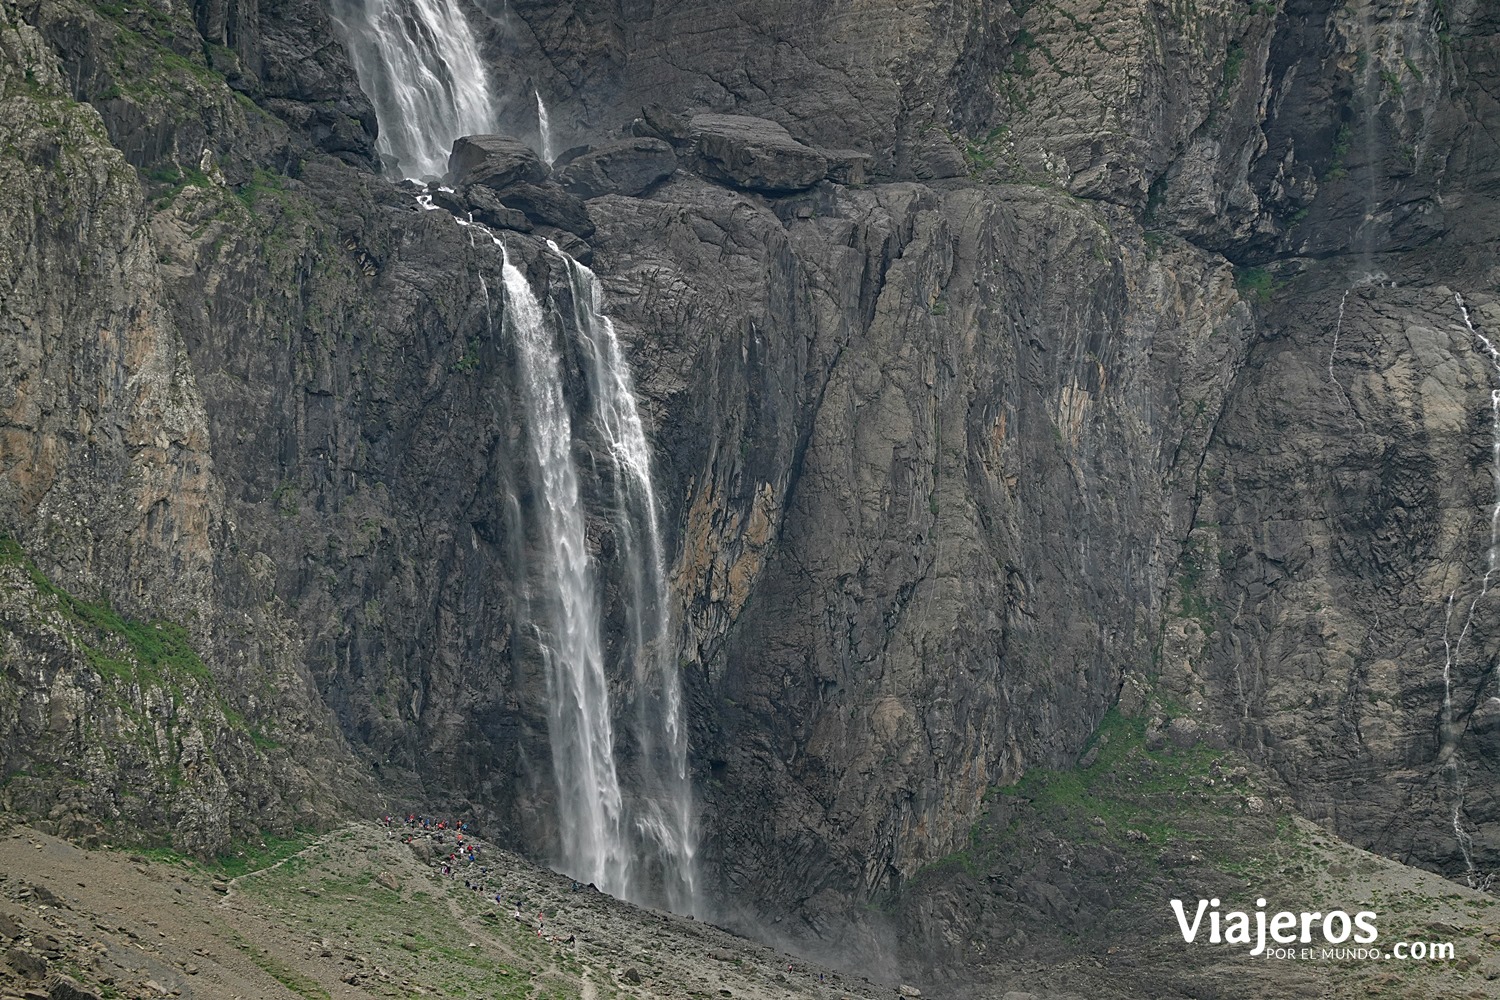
<point>1049,409</point>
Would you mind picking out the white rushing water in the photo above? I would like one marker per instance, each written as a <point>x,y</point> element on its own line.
<point>1448,729</point>
<point>663,809</point>
<point>419,63</point>
<point>591,806</point>
<point>544,130</point>
<point>1492,556</point>
<point>1368,278</point>
<point>1333,351</point>
<point>639,846</point>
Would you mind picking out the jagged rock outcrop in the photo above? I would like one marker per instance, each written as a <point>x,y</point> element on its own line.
<point>499,174</point>
<point>754,154</point>
<point>550,205</point>
<point>494,161</point>
<point>626,166</point>
<point>112,721</point>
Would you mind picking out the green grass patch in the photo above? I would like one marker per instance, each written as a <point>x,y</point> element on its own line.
<point>1254,283</point>
<point>156,653</point>
<point>1341,141</point>
<point>286,976</point>
<point>1128,797</point>
<point>254,856</point>
<point>981,155</point>
<point>1234,63</point>
<point>1193,602</point>
<point>262,184</point>
<point>242,858</point>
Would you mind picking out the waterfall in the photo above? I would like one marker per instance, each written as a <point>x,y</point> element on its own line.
<point>664,813</point>
<point>418,62</point>
<point>544,128</point>
<point>1492,558</point>
<point>580,727</point>
<point>639,844</point>
<point>1448,731</point>
<point>1334,350</point>
<point>1368,278</point>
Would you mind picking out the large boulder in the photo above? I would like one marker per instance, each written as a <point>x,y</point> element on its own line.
<point>659,123</point>
<point>549,205</point>
<point>495,161</point>
<point>848,166</point>
<point>754,153</point>
<point>624,166</point>
<point>487,208</point>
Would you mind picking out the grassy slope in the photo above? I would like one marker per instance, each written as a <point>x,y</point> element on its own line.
<point>1068,877</point>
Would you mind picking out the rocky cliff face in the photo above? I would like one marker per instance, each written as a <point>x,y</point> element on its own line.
<point>891,597</point>
<point>113,726</point>
<point>1120,362</point>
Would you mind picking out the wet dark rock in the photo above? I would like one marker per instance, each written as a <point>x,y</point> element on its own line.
<point>626,166</point>
<point>574,247</point>
<point>755,154</point>
<point>848,166</point>
<point>490,210</point>
<point>495,161</point>
<point>447,200</point>
<point>549,205</point>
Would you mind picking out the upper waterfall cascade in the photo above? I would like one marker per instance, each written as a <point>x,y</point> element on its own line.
<point>544,130</point>
<point>419,62</point>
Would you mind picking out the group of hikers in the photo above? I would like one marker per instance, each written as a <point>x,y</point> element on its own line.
<point>465,852</point>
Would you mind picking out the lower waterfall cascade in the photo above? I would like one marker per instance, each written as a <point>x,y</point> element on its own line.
<point>636,843</point>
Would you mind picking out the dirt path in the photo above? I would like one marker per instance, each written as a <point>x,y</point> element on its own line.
<point>357,914</point>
